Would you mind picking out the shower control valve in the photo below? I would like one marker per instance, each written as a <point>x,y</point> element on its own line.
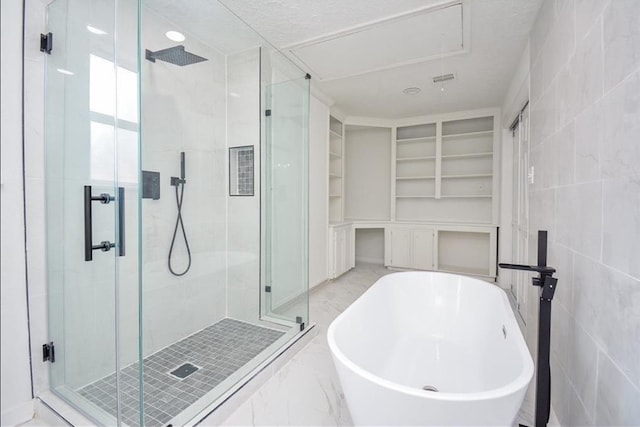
<point>175,181</point>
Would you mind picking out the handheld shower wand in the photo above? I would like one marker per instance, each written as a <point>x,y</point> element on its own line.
<point>179,184</point>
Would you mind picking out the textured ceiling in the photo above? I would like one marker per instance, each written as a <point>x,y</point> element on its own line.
<point>499,31</point>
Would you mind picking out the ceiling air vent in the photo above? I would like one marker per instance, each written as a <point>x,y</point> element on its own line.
<point>443,78</point>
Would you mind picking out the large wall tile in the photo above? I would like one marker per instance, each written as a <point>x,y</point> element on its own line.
<point>578,88</point>
<point>561,41</point>
<point>620,150</point>
<point>566,108</point>
<point>589,136</point>
<point>621,224</point>
<point>583,367</point>
<point>578,414</point>
<point>561,342</point>
<point>607,306</point>
<point>561,258</point>
<point>587,69</point>
<point>617,401</point>
<point>621,40</point>
<point>578,218</point>
<point>538,84</point>
<point>561,154</point>
<point>543,116</point>
<point>542,217</point>
<point>560,388</point>
<point>587,12</point>
<point>541,28</point>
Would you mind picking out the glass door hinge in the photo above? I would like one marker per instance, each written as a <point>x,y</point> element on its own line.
<point>48,352</point>
<point>46,43</point>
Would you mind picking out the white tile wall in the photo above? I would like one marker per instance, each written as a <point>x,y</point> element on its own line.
<point>184,110</point>
<point>585,122</point>
<point>35,184</point>
<point>243,233</point>
<point>16,405</point>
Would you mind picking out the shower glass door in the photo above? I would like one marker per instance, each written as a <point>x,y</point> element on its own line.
<point>285,205</point>
<point>91,139</point>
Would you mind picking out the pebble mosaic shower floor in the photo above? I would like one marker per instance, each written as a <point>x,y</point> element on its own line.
<point>217,351</point>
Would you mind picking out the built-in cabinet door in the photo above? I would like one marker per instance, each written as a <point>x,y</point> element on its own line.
<point>399,247</point>
<point>423,249</point>
<point>341,251</point>
<point>341,254</point>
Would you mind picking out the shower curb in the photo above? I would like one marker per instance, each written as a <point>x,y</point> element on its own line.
<point>227,404</point>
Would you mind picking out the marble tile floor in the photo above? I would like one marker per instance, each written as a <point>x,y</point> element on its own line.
<point>306,391</point>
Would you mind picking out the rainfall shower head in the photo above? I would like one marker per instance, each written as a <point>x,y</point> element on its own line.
<point>174,55</point>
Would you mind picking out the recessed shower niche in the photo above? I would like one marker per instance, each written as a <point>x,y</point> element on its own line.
<point>241,171</point>
<point>122,323</point>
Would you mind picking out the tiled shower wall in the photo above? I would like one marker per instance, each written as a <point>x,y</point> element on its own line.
<point>585,148</point>
<point>183,110</point>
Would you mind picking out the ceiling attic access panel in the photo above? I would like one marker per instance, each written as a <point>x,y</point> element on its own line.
<point>409,38</point>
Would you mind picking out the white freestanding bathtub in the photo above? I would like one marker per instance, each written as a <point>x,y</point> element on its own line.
<point>433,330</point>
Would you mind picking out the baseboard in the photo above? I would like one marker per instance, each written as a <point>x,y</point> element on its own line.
<point>321,282</point>
<point>19,414</point>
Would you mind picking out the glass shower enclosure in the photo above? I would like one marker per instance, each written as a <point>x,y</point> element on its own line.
<point>176,162</point>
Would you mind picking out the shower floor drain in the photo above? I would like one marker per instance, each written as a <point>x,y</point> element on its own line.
<point>183,371</point>
<point>430,388</point>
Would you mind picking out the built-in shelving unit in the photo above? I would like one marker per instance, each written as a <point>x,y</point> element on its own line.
<point>415,164</point>
<point>444,171</point>
<point>336,170</point>
<point>430,183</point>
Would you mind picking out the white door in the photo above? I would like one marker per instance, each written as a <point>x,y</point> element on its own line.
<point>423,249</point>
<point>520,225</point>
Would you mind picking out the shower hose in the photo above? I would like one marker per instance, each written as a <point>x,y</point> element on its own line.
<point>179,187</point>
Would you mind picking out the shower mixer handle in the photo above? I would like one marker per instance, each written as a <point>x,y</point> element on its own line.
<point>175,181</point>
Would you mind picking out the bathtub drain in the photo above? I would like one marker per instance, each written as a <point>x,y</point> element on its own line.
<point>430,388</point>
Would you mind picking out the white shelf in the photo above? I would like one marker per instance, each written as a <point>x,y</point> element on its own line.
<point>415,197</point>
<point>468,196</point>
<point>455,135</point>
<point>413,159</point>
<point>334,133</point>
<point>478,175</point>
<point>334,195</point>
<point>334,175</point>
<point>467,156</point>
<point>334,155</point>
<point>424,138</point>
<point>400,178</point>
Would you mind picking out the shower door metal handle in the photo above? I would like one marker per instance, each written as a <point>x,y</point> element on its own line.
<point>106,245</point>
<point>121,227</point>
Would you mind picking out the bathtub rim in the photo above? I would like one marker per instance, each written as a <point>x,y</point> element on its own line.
<point>521,382</point>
